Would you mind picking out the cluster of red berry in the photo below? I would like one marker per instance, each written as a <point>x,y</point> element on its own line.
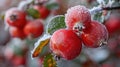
<point>113,26</point>
<point>67,43</point>
<point>20,24</point>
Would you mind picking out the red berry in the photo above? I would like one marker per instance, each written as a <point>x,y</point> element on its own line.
<point>34,28</point>
<point>77,16</point>
<point>17,32</point>
<point>15,17</point>
<point>95,36</point>
<point>89,63</point>
<point>8,53</point>
<point>65,43</point>
<point>108,65</point>
<point>117,52</point>
<point>112,44</point>
<point>18,60</point>
<point>44,12</point>
<point>41,60</point>
<point>113,24</point>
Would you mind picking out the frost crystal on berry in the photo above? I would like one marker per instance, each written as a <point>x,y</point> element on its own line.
<point>77,14</point>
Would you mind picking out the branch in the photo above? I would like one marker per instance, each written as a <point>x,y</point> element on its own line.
<point>111,8</point>
<point>98,9</point>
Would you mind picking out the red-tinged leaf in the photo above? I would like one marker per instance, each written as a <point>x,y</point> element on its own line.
<point>49,61</point>
<point>40,44</point>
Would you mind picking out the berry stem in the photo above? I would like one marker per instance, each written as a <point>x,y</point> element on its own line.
<point>98,9</point>
<point>13,17</point>
<point>111,8</point>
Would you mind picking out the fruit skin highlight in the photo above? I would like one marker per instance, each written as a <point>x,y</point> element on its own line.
<point>65,43</point>
<point>77,15</point>
<point>95,36</point>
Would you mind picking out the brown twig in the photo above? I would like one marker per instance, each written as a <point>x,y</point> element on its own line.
<point>98,9</point>
<point>111,8</point>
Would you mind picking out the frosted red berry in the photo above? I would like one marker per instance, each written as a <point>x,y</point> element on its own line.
<point>17,32</point>
<point>113,24</point>
<point>77,15</point>
<point>95,36</point>
<point>15,17</point>
<point>8,53</point>
<point>66,44</point>
<point>34,28</point>
<point>18,60</point>
<point>112,44</point>
<point>43,11</point>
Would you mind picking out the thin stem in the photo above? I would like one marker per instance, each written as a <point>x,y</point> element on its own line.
<point>111,8</point>
<point>98,9</point>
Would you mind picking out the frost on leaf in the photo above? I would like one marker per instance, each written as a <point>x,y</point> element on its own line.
<point>56,23</point>
<point>40,44</point>
<point>99,17</point>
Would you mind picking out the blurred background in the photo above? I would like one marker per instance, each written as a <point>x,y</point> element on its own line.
<point>16,52</point>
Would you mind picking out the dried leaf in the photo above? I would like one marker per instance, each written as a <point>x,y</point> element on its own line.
<point>40,44</point>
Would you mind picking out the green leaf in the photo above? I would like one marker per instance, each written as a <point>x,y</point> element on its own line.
<point>52,6</point>
<point>99,17</point>
<point>56,23</point>
<point>49,61</point>
<point>34,13</point>
<point>40,44</point>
